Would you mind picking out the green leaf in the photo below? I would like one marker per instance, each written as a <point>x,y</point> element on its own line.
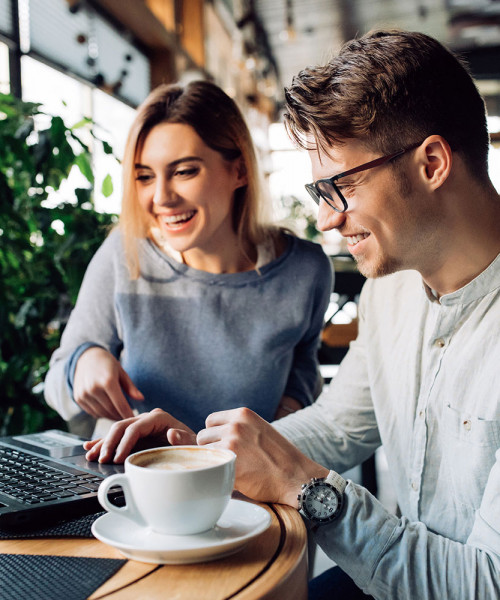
<point>107,148</point>
<point>107,186</point>
<point>39,282</point>
<point>81,123</point>
<point>83,163</point>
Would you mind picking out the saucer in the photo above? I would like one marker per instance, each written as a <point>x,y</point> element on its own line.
<point>239,523</point>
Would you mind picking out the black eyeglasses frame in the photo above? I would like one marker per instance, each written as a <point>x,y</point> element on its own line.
<point>317,196</point>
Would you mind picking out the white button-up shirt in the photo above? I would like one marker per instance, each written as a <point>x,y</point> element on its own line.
<point>423,379</point>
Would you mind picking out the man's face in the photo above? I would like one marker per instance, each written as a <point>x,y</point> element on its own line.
<point>387,223</point>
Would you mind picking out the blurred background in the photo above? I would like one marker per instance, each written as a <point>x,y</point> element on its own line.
<point>72,73</point>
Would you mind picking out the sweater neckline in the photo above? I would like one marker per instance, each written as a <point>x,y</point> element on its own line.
<point>221,278</point>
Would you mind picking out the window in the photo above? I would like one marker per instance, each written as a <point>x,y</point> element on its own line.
<point>4,69</point>
<point>72,100</point>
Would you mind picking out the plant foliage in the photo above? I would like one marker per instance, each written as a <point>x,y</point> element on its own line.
<point>44,252</point>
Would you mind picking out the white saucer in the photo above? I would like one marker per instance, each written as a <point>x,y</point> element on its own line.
<point>239,523</point>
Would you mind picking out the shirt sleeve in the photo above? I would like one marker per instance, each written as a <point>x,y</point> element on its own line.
<point>304,374</point>
<point>392,558</point>
<point>333,432</point>
<point>93,322</point>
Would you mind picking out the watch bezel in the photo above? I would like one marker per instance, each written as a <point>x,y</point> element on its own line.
<point>308,490</point>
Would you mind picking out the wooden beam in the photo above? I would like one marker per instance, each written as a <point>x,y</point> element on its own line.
<point>138,19</point>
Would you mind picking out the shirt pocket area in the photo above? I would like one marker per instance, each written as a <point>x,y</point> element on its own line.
<point>469,450</point>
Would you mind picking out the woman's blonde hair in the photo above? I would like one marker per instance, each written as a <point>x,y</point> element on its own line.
<point>218,121</point>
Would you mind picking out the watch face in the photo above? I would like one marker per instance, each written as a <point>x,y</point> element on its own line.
<point>322,502</point>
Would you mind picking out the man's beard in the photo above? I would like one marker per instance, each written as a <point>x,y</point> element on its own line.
<point>380,267</point>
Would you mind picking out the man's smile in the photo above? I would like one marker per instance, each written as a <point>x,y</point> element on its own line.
<point>352,240</point>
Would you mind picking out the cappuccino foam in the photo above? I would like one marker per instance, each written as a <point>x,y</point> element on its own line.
<point>180,460</point>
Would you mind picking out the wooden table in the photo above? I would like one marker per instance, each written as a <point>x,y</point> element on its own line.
<point>272,566</point>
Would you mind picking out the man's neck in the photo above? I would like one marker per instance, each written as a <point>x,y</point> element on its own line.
<point>473,242</point>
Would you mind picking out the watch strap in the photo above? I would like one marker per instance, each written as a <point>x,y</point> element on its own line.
<point>338,482</point>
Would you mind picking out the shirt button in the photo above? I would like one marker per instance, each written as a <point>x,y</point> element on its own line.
<point>440,343</point>
<point>467,425</point>
<point>414,485</point>
<point>421,414</point>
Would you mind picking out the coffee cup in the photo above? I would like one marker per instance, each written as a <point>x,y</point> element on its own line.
<point>174,490</point>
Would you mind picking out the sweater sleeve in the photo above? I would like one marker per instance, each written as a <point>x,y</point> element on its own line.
<point>304,374</point>
<point>94,321</point>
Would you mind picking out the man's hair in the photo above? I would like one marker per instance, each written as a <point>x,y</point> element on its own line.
<point>391,88</point>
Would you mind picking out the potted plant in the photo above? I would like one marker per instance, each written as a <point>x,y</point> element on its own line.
<point>44,251</point>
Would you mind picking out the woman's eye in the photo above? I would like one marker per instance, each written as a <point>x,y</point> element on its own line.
<point>186,172</point>
<point>143,177</point>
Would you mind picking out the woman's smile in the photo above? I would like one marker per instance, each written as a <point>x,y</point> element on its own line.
<point>178,221</point>
<point>188,188</point>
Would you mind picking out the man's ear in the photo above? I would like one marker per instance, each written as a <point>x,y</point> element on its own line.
<point>437,160</point>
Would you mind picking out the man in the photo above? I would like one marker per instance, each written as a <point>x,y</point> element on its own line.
<point>396,133</point>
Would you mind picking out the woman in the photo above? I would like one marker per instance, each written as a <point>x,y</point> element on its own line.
<point>192,304</point>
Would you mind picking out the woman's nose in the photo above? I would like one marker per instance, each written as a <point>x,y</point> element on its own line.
<point>163,194</point>
<point>328,218</point>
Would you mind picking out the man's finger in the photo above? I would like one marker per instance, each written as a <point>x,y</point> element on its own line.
<point>89,444</point>
<point>93,451</point>
<point>112,440</point>
<point>222,417</point>
<point>142,427</point>
<point>210,435</point>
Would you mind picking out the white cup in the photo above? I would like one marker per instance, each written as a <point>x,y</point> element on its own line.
<point>175,490</point>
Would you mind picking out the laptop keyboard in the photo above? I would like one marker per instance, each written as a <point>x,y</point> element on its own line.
<point>32,480</point>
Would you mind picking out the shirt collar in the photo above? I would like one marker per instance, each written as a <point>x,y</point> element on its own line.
<point>486,282</point>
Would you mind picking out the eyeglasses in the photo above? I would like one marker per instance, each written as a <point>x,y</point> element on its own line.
<point>328,190</point>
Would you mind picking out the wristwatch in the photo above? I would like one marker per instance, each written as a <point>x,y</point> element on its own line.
<point>321,500</point>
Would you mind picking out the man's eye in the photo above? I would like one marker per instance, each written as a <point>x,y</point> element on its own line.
<point>346,190</point>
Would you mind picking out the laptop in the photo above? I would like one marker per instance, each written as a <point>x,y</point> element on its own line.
<point>44,478</point>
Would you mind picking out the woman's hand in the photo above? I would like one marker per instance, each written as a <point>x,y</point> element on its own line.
<point>99,385</point>
<point>153,429</point>
<point>269,468</point>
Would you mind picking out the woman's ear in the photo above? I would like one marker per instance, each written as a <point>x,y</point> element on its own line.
<point>437,161</point>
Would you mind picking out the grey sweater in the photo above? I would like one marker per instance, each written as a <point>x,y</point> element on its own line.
<point>194,342</point>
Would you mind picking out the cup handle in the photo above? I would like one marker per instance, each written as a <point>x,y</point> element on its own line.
<point>130,509</point>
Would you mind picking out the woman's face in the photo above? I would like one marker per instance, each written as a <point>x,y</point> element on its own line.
<point>188,189</point>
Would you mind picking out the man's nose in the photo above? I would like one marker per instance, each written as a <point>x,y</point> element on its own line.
<point>328,218</point>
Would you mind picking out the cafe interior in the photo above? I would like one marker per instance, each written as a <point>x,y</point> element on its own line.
<point>95,61</point>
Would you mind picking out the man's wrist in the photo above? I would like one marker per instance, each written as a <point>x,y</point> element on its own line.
<point>295,487</point>
<point>321,500</point>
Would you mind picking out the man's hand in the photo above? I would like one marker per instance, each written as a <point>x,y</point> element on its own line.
<point>268,467</point>
<point>99,385</point>
<point>153,429</point>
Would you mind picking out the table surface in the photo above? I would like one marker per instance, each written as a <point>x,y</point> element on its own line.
<point>272,566</point>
